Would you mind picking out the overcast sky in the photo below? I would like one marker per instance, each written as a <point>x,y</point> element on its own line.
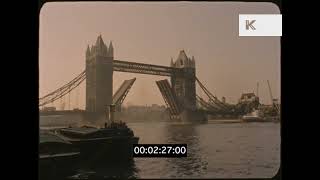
<point>227,64</point>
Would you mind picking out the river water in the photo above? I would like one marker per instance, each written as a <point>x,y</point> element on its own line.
<point>215,150</point>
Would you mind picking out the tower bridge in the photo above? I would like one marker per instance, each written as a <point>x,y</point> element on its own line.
<point>180,97</point>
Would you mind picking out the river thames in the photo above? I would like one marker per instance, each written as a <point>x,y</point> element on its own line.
<point>215,150</point>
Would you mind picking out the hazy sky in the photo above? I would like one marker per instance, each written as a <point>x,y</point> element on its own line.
<point>227,64</point>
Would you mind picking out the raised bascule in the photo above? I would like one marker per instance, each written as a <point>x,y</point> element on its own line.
<point>179,95</point>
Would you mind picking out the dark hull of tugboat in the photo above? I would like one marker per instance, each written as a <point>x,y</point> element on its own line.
<point>100,149</point>
<point>100,144</point>
<point>57,165</point>
<point>57,157</point>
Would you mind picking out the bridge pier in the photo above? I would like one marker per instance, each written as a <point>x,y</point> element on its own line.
<point>193,116</point>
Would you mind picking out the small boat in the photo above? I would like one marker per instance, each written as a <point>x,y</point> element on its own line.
<point>55,154</point>
<point>254,116</point>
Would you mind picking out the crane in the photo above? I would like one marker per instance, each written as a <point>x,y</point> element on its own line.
<point>258,89</point>
<point>272,100</point>
<point>270,92</point>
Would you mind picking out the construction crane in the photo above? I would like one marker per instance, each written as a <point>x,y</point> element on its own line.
<point>272,100</point>
<point>258,89</point>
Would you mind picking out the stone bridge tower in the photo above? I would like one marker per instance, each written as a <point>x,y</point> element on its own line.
<point>183,83</point>
<point>99,75</point>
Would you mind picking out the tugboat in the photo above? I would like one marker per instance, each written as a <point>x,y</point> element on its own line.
<point>114,140</point>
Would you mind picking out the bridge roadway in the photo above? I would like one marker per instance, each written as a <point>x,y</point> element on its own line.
<point>142,68</point>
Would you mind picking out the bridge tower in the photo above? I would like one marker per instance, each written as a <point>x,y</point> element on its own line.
<point>184,85</point>
<point>184,82</point>
<point>99,75</point>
